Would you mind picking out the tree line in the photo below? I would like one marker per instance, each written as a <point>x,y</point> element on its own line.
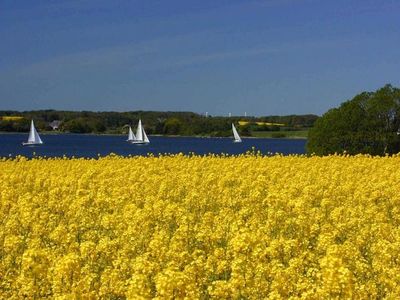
<point>165,123</point>
<point>369,123</point>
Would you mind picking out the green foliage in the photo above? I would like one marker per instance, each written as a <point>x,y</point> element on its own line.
<point>173,126</point>
<point>366,124</point>
<point>292,121</point>
<point>85,125</point>
<point>265,128</point>
<point>16,126</point>
<point>77,126</point>
<point>277,135</point>
<point>169,123</point>
<point>245,130</point>
<point>298,134</point>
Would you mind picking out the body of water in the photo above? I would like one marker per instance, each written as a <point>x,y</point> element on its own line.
<point>79,145</point>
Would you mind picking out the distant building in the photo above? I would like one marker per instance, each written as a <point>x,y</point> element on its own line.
<point>55,124</point>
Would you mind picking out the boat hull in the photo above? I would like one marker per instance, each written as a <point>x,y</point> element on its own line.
<point>31,144</point>
<point>139,143</point>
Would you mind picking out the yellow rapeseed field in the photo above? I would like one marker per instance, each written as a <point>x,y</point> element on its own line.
<point>200,227</point>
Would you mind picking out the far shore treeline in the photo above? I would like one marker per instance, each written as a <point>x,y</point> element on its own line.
<point>163,123</point>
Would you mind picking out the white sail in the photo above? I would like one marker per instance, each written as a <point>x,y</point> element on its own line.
<point>139,132</point>
<point>31,138</point>
<point>236,134</point>
<point>37,138</point>
<point>131,136</point>
<point>141,136</point>
<point>145,138</point>
<point>34,138</point>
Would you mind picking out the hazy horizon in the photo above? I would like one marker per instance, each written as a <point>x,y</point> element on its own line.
<point>263,57</point>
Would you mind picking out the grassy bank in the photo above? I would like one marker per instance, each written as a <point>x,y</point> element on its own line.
<point>298,134</point>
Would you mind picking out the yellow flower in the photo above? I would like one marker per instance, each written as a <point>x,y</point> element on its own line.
<point>194,227</point>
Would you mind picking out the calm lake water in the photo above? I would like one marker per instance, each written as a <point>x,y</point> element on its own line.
<point>94,145</point>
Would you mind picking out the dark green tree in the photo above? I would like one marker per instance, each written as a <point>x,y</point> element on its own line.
<point>368,123</point>
<point>173,126</point>
<point>79,125</point>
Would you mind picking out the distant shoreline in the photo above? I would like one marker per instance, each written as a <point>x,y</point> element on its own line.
<point>157,135</point>
<point>160,123</point>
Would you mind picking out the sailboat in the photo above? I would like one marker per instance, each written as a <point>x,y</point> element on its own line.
<point>34,138</point>
<point>131,136</point>
<point>141,136</point>
<point>236,135</point>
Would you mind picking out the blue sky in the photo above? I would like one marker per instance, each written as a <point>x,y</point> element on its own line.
<point>262,57</point>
